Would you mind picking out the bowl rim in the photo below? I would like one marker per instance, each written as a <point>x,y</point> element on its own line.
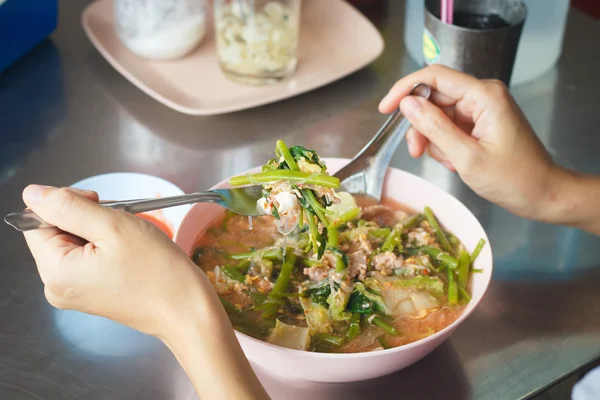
<point>125,174</point>
<point>418,343</point>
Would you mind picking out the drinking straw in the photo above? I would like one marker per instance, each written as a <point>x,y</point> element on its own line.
<point>444,11</point>
<point>447,11</point>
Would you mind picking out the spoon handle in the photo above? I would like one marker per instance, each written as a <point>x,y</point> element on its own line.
<point>366,172</point>
<point>28,220</point>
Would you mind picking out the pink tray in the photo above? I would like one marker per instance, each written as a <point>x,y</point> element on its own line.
<point>335,40</point>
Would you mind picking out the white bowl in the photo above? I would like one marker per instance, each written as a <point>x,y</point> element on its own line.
<point>131,185</point>
<point>409,190</point>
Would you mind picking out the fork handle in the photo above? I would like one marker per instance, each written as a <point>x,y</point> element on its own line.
<point>28,220</point>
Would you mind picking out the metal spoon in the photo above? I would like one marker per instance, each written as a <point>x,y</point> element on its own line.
<point>366,172</point>
<point>363,175</point>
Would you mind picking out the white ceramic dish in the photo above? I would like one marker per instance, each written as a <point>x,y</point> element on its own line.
<point>412,191</point>
<point>130,185</point>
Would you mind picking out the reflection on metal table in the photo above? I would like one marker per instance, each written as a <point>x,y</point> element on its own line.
<point>64,106</point>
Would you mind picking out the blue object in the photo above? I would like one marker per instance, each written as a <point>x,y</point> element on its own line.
<point>23,25</point>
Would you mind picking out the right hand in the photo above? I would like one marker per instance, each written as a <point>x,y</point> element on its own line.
<point>474,127</point>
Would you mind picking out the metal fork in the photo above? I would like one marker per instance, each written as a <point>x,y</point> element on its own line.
<point>239,200</point>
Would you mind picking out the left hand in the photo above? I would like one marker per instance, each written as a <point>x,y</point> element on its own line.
<point>113,264</point>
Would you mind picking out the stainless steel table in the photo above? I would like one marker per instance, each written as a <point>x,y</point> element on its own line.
<point>65,114</point>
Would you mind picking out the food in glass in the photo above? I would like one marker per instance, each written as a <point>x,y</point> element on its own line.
<point>257,40</point>
<point>160,29</point>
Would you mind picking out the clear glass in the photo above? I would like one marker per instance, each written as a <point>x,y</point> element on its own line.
<point>160,29</point>
<point>257,40</point>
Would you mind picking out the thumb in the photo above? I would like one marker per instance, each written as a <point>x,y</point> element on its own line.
<point>435,125</point>
<point>70,211</point>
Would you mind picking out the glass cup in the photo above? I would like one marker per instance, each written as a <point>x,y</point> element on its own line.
<point>160,29</point>
<point>257,40</point>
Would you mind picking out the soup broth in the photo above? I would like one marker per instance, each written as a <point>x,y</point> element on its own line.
<point>389,282</point>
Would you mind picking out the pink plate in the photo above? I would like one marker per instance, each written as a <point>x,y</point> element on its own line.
<point>407,189</point>
<point>335,40</point>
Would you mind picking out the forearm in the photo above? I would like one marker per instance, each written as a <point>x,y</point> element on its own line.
<point>206,347</point>
<point>576,202</point>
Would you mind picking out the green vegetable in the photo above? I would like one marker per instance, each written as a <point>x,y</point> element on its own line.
<point>452,288</point>
<point>314,206</point>
<point>257,298</point>
<point>345,211</point>
<point>364,302</point>
<point>286,272</point>
<point>360,304</point>
<point>464,294</point>
<point>317,317</point>
<point>332,340</point>
<point>310,262</point>
<point>282,150</point>
<point>453,239</point>
<point>233,273</point>
<point>348,216</point>
<point>439,255</point>
<point>308,195</point>
<point>341,259</point>
<point>320,294</point>
<point>243,265</point>
<point>281,284</point>
<point>354,329</point>
<point>412,221</point>
<point>333,237</point>
<point>477,271</point>
<point>477,250</point>
<point>463,268</point>
<point>266,177</point>
<point>229,307</point>
<point>377,321</point>
<point>338,300</point>
<point>382,233</point>
<point>315,237</point>
<point>438,231</point>
<point>393,241</point>
<point>270,254</point>
<point>382,342</point>
<point>300,217</point>
<point>286,168</point>
<point>311,156</point>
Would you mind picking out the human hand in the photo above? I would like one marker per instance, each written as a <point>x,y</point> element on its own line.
<point>112,264</point>
<point>474,127</point>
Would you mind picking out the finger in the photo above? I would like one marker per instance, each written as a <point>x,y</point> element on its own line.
<point>449,87</point>
<point>436,126</point>
<point>417,143</point>
<point>434,152</point>
<point>70,212</point>
<point>38,236</point>
<point>88,194</point>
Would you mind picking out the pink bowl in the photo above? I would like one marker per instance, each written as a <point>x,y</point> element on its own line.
<point>407,189</point>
